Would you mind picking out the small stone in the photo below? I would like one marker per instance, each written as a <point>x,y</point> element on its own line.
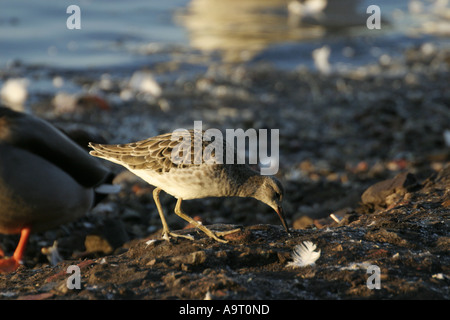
<point>384,192</point>
<point>96,243</point>
<point>240,236</point>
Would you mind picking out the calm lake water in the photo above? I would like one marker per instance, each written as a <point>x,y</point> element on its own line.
<point>123,34</point>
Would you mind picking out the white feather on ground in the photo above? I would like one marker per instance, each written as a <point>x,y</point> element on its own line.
<point>304,255</point>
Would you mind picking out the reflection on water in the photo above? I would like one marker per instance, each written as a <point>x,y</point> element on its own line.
<point>129,34</point>
<point>327,13</point>
<point>240,29</point>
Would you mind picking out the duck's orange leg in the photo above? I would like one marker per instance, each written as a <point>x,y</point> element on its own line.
<point>11,264</point>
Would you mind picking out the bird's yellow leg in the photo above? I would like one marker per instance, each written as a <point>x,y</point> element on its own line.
<point>208,232</point>
<point>166,231</point>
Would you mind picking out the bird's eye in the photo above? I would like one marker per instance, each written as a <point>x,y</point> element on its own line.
<point>278,196</point>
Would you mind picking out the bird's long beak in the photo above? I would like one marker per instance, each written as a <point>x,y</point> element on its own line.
<point>280,213</point>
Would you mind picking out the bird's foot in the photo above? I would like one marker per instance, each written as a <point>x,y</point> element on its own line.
<point>211,234</point>
<point>214,235</point>
<point>9,265</point>
<point>224,233</point>
<point>168,234</point>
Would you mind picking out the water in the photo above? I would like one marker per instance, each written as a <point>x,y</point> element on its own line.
<point>118,34</point>
<point>35,32</point>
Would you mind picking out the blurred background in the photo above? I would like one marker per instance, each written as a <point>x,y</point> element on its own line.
<point>354,105</point>
<point>115,34</point>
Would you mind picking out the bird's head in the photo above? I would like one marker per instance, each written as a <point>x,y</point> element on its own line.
<point>271,191</point>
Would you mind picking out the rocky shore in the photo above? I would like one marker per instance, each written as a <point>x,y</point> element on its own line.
<point>364,158</point>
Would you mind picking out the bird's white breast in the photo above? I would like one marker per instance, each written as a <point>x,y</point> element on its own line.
<point>184,183</point>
